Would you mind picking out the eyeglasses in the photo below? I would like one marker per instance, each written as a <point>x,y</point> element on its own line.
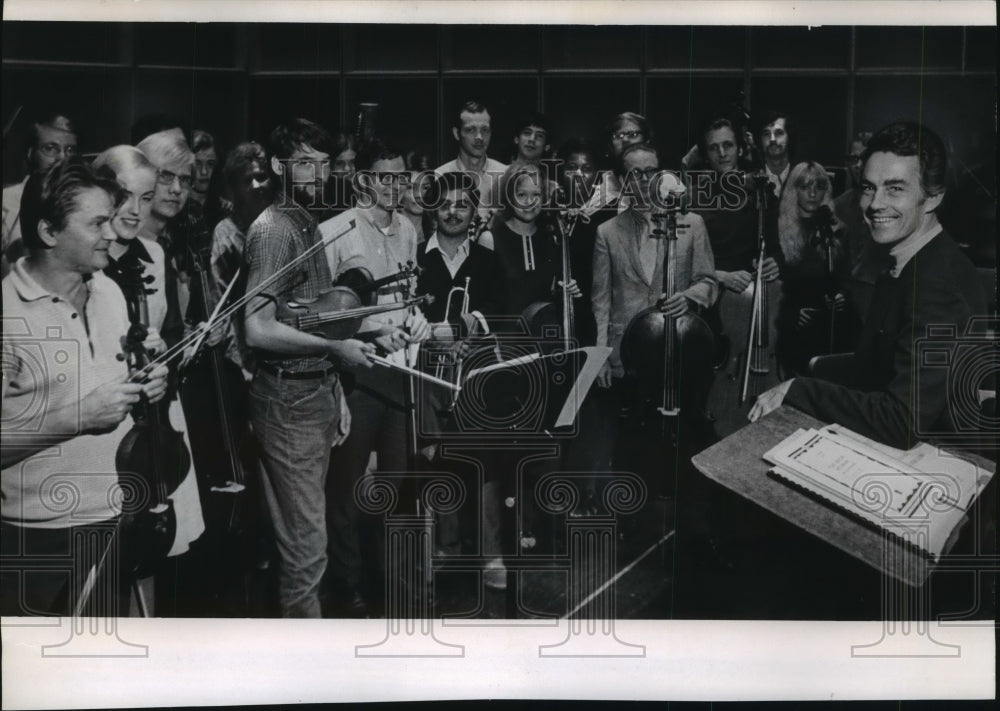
<point>51,150</point>
<point>638,173</point>
<point>166,177</point>
<point>389,177</point>
<point>623,135</point>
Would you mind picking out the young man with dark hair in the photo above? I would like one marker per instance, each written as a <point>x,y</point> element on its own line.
<point>472,130</point>
<point>295,397</point>
<point>206,161</point>
<point>888,395</point>
<point>775,136</point>
<point>531,139</point>
<point>381,241</point>
<point>53,139</point>
<point>66,394</point>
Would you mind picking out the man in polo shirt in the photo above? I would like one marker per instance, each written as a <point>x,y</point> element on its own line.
<point>52,139</point>
<point>295,399</point>
<point>66,396</point>
<point>472,130</point>
<point>889,398</point>
<point>382,240</point>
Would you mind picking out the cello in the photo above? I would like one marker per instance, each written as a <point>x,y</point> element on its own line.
<point>649,342</point>
<point>543,316</point>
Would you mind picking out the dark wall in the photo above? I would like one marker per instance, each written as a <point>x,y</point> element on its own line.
<point>238,80</point>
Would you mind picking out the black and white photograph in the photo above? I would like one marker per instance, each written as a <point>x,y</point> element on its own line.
<point>621,350</point>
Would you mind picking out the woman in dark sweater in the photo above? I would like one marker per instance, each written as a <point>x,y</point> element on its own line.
<point>815,265</point>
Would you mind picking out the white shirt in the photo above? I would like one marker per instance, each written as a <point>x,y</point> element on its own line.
<point>777,180</point>
<point>50,361</point>
<point>452,263</point>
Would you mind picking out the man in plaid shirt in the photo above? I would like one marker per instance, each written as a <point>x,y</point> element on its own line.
<point>295,397</point>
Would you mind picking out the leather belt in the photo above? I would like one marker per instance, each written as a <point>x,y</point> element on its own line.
<point>292,375</point>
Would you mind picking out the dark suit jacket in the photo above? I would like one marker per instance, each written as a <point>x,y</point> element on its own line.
<point>486,282</point>
<point>893,399</point>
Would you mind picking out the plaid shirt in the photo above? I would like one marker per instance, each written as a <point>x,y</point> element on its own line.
<point>278,236</point>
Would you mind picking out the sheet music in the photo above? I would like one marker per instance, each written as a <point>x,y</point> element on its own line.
<point>920,495</point>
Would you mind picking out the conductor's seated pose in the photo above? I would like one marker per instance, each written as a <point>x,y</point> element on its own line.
<point>889,397</point>
<point>66,389</point>
<point>629,278</point>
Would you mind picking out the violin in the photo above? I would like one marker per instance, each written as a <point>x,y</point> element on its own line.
<point>338,312</point>
<point>648,348</point>
<point>152,452</point>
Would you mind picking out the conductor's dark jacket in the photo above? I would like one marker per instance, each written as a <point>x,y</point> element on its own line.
<point>893,398</point>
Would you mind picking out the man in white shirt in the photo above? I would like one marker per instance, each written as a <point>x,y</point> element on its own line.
<point>66,391</point>
<point>472,129</point>
<point>381,241</point>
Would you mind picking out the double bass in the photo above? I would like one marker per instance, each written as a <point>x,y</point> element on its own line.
<point>214,395</point>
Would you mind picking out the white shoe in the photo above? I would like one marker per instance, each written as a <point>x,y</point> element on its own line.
<point>495,575</point>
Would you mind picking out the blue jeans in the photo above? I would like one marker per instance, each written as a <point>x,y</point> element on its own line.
<point>295,422</point>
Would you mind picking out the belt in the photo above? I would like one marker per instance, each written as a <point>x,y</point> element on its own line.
<point>292,375</point>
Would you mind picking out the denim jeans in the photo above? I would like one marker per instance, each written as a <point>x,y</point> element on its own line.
<point>295,422</point>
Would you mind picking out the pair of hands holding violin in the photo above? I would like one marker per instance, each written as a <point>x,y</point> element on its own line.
<point>355,353</point>
<point>103,409</point>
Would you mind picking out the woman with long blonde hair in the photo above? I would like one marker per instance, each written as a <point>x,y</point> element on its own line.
<point>815,317</point>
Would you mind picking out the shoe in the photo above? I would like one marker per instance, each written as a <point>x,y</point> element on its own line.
<point>528,540</point>
<point>495,575</point>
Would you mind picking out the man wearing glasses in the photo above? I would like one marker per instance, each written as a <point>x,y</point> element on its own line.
<point>628,277</point>
<point>382,240</point>
<point>626,129</point>
<point>52,139</point>
<point>472,130</point>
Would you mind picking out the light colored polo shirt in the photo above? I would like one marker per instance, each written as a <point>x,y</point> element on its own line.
<point>379,251</point>
<point>489,182</point>
<point>51,361</point>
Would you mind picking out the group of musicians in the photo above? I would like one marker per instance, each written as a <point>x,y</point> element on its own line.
<point>320,298</point>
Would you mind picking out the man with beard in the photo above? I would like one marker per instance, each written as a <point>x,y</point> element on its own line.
<point>775,142</point>
<point>295,397</point>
